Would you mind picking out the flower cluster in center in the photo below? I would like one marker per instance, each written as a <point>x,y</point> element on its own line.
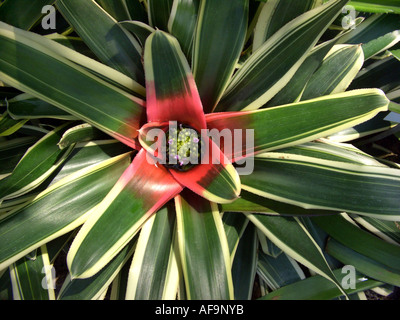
<point>183,148</point>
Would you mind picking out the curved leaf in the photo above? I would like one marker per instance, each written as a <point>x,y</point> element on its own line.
<point>104,36</point>
<point>275,14</point>
<point>139,192</point>
<point>22,14</point>
<point>38,163</point>
<point>336,72</point>
<point>203,248</point>
<point>316,183</point>
<point>153,274</point>
<point>105,106</point>
<point>217,46</point>
<point>182,23</point>
<point>271,67</point>
<point>290,235</point>
<point>42,219</point>
<point>296,123</point>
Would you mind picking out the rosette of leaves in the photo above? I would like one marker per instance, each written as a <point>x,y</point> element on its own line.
<point>82,204</point>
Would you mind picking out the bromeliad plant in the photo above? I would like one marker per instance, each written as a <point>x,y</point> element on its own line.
<point>81,173</point>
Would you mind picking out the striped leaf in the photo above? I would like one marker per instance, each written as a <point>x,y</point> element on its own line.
<point>253,203</point>
<point>22,14</point>
<point>381,44</point>
<point>296,123</point>
<point>33,278</point>
<point>314,183</point>
<point>203,248</point>
<point>275,14</point>
<point>318,288</point>
<point>217,46</point>
<point>182,23</point>
<point>80,133</point>
<point>41,220</point>
<point>234,224</point>
<point>8,125</point>
<point>124,9</point>
<point>386,230</point>
<point>159,12</point>
<point>26,106</point>
<point>37,164</point>
<point>92,288</point>
<point>336,72</point>
<point>171,93</point>
<point>101,104</point>
<point>294,88</point>
<point>265,73</point>
<point>140,191</point>
<point>139,29</point>
<point>290,235</point>
<point>117,9</point>
<point>245,263</point>
<point>11,151</point>
<point>112,44</point>
<point>381,6</point>
<point>153,274</point>
<point>278,271</point>
<point>363,264</point>
<point>360,240</point>
<point>333,151</point>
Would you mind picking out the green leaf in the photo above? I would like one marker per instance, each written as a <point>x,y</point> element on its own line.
<point>139,29</point>
<point>26,106</point>
<point>278,271</point>
<point>294,88</point>
<point>8,125</point>
<point>101,104</point>
<point>116,8</point>
<point>380,74</point>
<point>140,191</point>
<point>333,151</point>
<point>80,133</point>
<point>217,46</point>
<point>275,14</point>
<point>386,230</point>
<point>381,6</point>
<point>86,154</point>
<point>360,240</point>
<point>376,34</point>
<point>336,72</point>
<point>296,123</point>
<point>265,73</point>
<point>37,164</point>
<point>290,235</point>
<point>22,14</point>
<point>182,23</point>
<point>92,288</point>
<point>159,12</point>
<point>375,125</point>
<point>11,151</point>
<point>112,44</point>
<point>318,288</point>
<point>252,203</point>
<point>153,274</point>
<point>245,263</point>
<point>42,220</point>
<point>363,264</point>
<point>381,44</point>
<point>203,248</point>
<point>33,278</point>
<point>234,225</point>
<point>314,183</point>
